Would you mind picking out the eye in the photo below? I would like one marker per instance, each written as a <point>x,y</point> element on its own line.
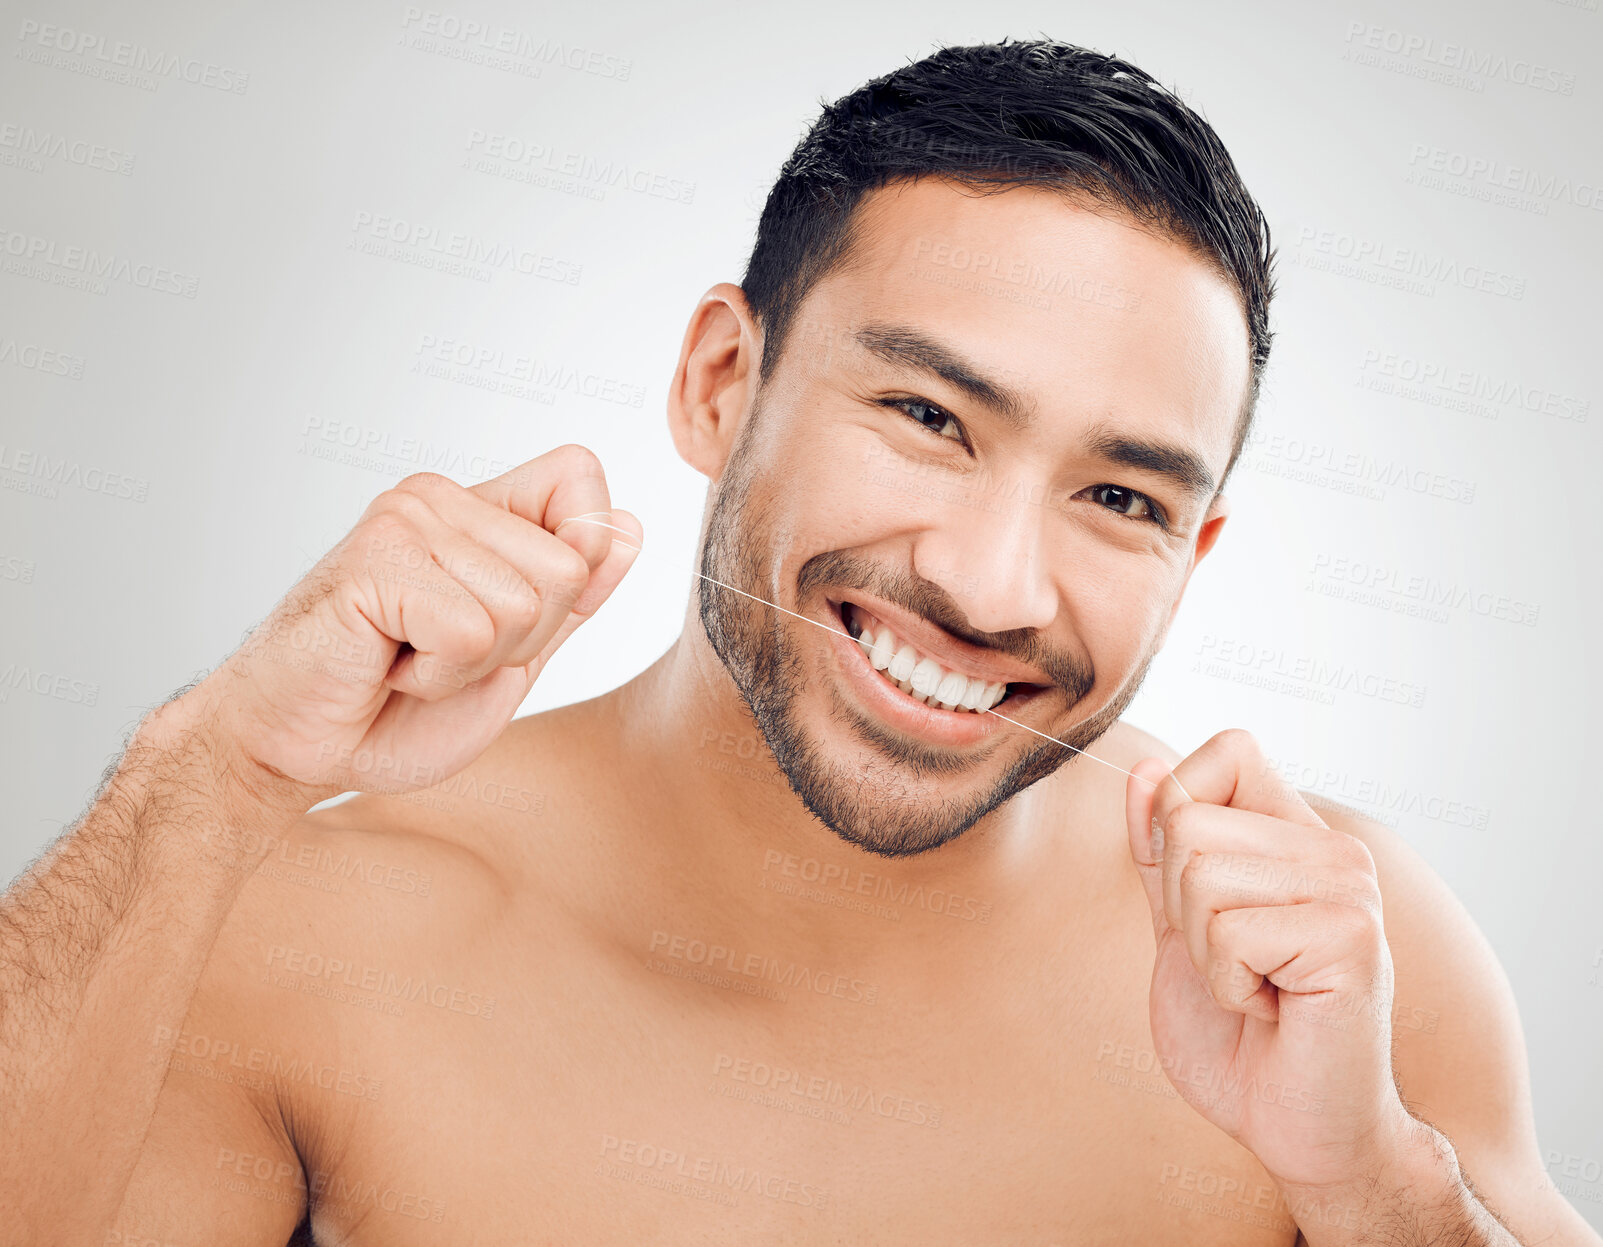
<point>936,419</point>
<point>1130,502</point>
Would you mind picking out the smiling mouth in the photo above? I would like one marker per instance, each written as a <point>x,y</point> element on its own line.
<point>924,679</point>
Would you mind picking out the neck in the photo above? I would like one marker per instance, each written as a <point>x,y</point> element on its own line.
<point>736,857</point>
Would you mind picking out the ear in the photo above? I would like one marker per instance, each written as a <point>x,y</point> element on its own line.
<point>1212,525</point>
<point>715,380</point>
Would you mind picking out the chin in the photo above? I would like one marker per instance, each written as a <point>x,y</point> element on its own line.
<point>887,794</point>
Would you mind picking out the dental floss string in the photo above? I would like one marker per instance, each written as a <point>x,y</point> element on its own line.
<point>585,519</point>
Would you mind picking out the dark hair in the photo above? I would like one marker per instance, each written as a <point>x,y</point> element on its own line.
<point>999,115</point>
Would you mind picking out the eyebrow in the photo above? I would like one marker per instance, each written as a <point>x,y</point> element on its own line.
<point>1183,467</point>
<point>906,347</point>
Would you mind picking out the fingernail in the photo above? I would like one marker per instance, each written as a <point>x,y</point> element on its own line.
<point>1157,840</point>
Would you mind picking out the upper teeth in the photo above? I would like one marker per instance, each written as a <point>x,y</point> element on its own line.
<point>923,679</point>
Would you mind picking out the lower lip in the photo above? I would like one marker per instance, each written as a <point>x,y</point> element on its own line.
<point>890,704</point>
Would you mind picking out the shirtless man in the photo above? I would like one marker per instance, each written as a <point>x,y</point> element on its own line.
<point>760,946</point>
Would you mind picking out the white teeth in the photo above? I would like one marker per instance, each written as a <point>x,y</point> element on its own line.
<point>924,679</point>
<point>952,689</point>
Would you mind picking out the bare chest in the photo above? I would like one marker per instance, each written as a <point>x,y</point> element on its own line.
<point>609,1104</point>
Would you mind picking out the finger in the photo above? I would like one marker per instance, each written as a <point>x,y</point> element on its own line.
<point>1316,955</point>
<point>458,728</point>
<point>520,542</point>
<point>603,580</point>
<point>1237,988</point>
<point>1229,769</point>
<point>1196,827</point>
<point>1215,882</point>
<point>1182,1011</point>
<point>531,604</point>
<point>411,599</point>
<point>522,620</point>
<point>1146,845</point>
<point>548,489</point>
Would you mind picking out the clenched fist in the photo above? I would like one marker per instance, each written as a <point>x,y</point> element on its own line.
<point>408,647</point>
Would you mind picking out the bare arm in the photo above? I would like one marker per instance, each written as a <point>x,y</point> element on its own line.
<point>102,943</point>
<point>390,667</point>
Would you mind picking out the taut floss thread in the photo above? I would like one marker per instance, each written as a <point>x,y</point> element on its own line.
<point>1157,832</point>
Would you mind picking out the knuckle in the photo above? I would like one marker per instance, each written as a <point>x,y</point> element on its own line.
<point>1223,928</point>
<point>472,635</point>
<point>1182,821</point>
<point>406,504</point>
<point>1198,871</point>
<point>568,569</point>
<point>388,530</point>
<point>1355,853</point>
<point>578,460</point>
<point>1360,923</point>
<point>1238,742</point>
<point>1231,982</point>
<point>424,484</point>
<point>522,608</point>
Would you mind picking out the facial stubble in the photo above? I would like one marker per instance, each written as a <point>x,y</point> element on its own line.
<point>877,804</point>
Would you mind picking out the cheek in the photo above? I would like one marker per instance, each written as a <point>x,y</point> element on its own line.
<point>1116,620</point>
<point>844,494</point>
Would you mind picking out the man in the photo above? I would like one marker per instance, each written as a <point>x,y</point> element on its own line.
<point>836,924</point>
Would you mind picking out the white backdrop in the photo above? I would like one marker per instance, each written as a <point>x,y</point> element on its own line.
<point>1398,608</point>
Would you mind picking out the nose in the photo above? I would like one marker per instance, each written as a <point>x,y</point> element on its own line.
<point>990,555</point>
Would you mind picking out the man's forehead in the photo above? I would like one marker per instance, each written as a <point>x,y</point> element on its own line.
<point>1016,223</point>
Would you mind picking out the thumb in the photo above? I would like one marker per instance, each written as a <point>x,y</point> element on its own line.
<point>628,536</point>
<point>1146,841</point>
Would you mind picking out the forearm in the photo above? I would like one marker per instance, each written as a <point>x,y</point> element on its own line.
<point>1417,1197</point>
<point>102,944</point>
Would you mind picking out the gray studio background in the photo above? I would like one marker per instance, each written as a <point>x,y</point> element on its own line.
<point>1404,604</point>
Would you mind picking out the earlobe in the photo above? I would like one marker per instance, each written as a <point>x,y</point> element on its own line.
<point>712,383</point>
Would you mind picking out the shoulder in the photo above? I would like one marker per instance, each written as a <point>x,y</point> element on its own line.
<point>345,887</point>
<point>354,909</point>
<point>1458,1049</point>
<point>419,881</point>
<point>306,1006</point>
